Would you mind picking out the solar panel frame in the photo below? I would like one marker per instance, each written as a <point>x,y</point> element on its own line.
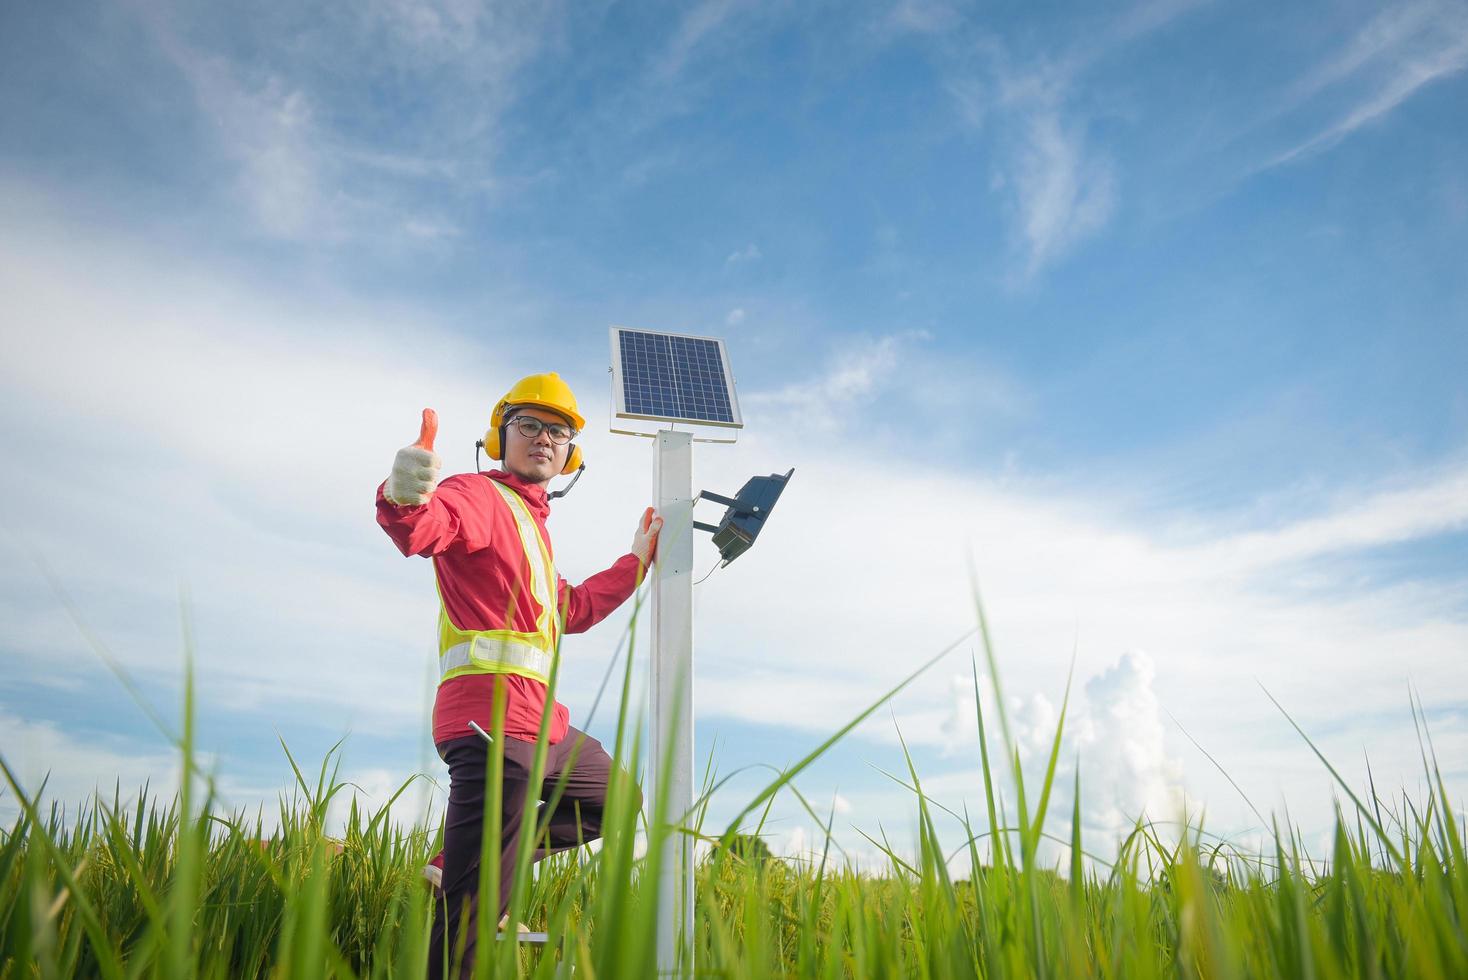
<point>651,378</point>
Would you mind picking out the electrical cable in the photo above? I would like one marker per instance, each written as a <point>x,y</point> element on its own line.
<point>717,566</point>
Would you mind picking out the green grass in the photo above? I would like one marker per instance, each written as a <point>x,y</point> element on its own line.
<point>177,888</point>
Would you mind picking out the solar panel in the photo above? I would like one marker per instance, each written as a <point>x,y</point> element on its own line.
<point>670,377</point>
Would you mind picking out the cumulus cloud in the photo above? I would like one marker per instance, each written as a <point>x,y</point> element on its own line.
<point>259,495</point>
<point>1114,730</point>
<point>1127,774</point>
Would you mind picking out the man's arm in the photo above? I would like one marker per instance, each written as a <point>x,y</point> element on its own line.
<point>587,604</point>
<point>422,529</point>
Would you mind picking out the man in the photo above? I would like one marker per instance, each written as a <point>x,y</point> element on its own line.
<point>502,610</point>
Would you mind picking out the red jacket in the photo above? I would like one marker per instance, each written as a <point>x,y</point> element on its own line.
<point>480,564</point>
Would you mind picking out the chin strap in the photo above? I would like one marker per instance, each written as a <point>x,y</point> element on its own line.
<point>567,489</point>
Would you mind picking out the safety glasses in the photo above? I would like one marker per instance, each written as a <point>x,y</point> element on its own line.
<point>530,427</point>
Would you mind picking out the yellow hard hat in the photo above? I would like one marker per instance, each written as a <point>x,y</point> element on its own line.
<point>546,391</point>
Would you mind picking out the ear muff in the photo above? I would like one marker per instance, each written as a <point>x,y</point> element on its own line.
<point>574,460</point>
<point>494,443</point>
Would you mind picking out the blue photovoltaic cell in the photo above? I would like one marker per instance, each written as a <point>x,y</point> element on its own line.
<point>667,376</point>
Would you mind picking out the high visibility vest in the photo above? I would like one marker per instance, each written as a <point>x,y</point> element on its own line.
<point>507,651</point>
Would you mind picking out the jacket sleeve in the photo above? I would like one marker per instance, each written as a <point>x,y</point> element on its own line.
<point>425,529</point>
<point>589,603</point>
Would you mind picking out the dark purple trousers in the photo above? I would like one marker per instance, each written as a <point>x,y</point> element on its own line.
<point>576,820</point>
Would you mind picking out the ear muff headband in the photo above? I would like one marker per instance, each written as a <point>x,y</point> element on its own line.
<point>494,447</point>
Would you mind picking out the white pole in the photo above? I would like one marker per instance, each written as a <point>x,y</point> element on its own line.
<point>672,695</point>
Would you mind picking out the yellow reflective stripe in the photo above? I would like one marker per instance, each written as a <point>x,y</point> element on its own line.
<point>542,572</point>
<point>505,651</point>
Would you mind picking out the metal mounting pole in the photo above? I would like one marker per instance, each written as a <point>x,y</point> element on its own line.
<point>671,740</point>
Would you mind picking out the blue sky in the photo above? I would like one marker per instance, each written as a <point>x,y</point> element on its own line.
<point>1155,311</point>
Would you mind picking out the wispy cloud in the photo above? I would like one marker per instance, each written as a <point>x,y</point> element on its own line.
<point>857,372</point>
<point>697,24</point>
<point>1060,186</point>
<point>1394,25</point>
<point>1064,191</point>
<point>314,158</point>
<point>1438,504</point>
<point>745,255</point>
<point>270,132</point>
<point>1403,49</point>
<point>922,17</point>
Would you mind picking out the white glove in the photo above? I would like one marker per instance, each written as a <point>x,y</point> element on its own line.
<point>645,540</point>
<point>414,474</point>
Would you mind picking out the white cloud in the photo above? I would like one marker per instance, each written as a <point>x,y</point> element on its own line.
<point>431,228</point>
<point>734,317</point>
<point>1059,186</point>
<point>1436,505</point>
<point>372,789</point>
<point>1065,192</point>
<point>749,253</point>
<point>1402,84</point>
<point>857,372</point>
<point>74,766</point>
<point>1127,774</point>
<point>1114,728</point>
<point>697,25</point>
<point>922,17</point>
<point>1404,48</point>
<point>1063,188</point>
<point>268,129</point>
<point>308,162</point>
<point>1394,25</point>
<point>208,434</point>
<point>69,768</point>
<point>873,563</point>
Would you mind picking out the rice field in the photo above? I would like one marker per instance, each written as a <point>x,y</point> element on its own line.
<point>144,887</point>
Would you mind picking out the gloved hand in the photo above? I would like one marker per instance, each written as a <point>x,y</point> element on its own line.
<point>645,541</point>
<point>414,473</point>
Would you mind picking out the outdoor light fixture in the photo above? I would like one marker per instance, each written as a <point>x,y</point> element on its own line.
<point>682,383</point>
<point>741,524</point>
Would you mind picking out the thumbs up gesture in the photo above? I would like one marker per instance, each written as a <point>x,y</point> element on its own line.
<point>414,473</point>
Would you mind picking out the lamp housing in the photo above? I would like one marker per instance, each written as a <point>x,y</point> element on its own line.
<point>746,513</point>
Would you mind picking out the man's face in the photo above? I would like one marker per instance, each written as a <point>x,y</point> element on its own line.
<point>536,460</point>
